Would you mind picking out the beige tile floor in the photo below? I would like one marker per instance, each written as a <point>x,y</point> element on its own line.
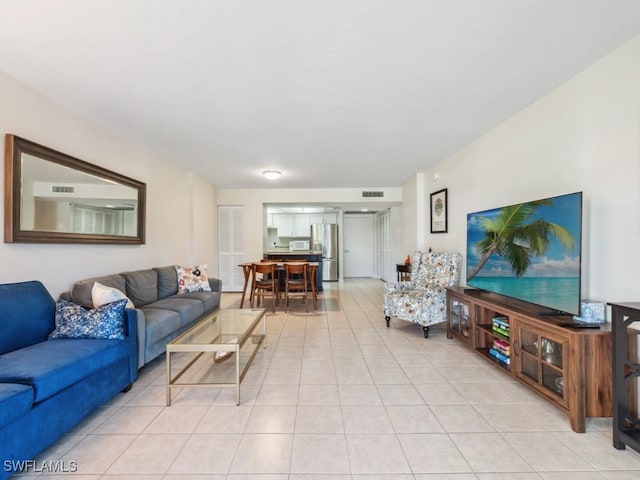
<point>338,396</point>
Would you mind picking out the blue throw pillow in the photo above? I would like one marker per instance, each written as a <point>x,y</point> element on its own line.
<point>75,321</point>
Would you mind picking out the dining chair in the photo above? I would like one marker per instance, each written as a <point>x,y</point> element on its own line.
<point>279,270</point>
<point>295,282</point>
<point>265,283</point>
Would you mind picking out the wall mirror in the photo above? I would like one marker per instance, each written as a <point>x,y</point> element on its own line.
<point>51,197</point>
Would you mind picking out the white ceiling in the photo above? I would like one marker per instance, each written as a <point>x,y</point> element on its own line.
<point>334,93</point>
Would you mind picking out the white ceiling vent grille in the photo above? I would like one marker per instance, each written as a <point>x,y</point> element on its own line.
<point>63,189</point>
<point>372,194</point>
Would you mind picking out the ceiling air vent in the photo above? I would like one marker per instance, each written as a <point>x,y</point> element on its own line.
<point>372,194</point>
<point>63,189</point>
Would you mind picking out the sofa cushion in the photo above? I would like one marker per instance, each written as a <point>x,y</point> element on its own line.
<point>81,290</point>
<point>211,300</point>
<point>75,321</point>
<point>188,308</point>
<point>141,286</point>
<point>26,314</point>
<point>55,365</point>
<point>159,324</point>
<point>15,400</point>
<point>167,281</point>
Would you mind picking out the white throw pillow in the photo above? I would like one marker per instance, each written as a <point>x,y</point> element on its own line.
<point>101,295</point>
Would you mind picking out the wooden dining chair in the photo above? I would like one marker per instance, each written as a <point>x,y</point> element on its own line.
<point>279,271</point>
<point>295,283</point>
<point>265,282</point>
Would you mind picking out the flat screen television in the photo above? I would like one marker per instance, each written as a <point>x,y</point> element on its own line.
<point>529,251</point>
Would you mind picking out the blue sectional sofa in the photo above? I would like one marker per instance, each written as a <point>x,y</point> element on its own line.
<point>48,386</point>
<point>161,312</point>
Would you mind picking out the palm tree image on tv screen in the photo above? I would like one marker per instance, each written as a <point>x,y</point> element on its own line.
<point>529,251</point>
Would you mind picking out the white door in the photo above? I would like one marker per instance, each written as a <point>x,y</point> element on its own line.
<point>230,248</point>
<point>383,230</point>
<point>359,257</point>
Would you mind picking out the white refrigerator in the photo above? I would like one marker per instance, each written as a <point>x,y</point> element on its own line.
<point>325,237</point>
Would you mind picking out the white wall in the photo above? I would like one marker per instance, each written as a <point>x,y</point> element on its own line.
<point>410,202</point>
<point>180,206</point>
<point>583,136</point>
<point>397,249</point>
<point>253,202</point>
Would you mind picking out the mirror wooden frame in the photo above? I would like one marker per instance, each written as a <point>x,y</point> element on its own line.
<point>15,147</point>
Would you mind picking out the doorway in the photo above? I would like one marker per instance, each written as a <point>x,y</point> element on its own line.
<point>358,239</point>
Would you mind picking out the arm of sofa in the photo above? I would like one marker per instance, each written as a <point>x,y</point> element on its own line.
<point>131,332</point>
<point>215,284</point>
<point>136,323</point>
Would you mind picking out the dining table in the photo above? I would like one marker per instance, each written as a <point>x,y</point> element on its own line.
<point>247,269</point>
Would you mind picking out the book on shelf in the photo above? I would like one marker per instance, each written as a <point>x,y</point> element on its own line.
<point>499,356</point>
<point>502,347</point>
<point>502,322</point>
<point>500,331</point>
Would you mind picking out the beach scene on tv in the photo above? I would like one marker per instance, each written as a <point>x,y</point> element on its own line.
<point>529,251</point>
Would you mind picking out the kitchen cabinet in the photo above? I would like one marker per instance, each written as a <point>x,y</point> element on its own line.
<point>284,224</point>
<point>292,224</point>
<point>301,225</point>
<point>316,218</point>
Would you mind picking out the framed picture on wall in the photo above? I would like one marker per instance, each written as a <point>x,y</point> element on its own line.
<point>439,211</point>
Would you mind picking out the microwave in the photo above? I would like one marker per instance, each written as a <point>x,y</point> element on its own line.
<point>298,245</point>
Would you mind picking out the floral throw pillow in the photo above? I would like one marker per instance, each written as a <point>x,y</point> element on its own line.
<point>75,321</point>
<point>193,279</point>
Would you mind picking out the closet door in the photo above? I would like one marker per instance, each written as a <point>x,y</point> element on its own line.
<point>383,232</point>
<point>230,247</point>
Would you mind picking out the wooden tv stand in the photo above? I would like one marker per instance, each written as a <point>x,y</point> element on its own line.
<point>571,368</point>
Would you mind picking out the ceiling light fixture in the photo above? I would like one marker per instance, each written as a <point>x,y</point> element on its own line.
<point>271,174</point>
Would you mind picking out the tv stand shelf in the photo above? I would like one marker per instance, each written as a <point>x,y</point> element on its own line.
<point>570,368</point>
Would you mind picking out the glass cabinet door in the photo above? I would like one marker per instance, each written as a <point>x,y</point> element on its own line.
<point>459,317</point>
<point>552,378</point>
<point>465,321</point>
<point>454,315</point>
<point>541,359</point>
<point>529,342</point>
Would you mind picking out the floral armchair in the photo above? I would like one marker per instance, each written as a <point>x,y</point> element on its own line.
<point>423,299</point>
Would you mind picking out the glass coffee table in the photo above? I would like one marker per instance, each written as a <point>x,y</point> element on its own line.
<point>224,345</point>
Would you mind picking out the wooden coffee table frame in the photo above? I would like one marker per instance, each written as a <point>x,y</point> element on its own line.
<point>213,346</point>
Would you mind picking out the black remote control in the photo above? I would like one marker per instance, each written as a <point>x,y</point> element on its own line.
<point>580,325</point>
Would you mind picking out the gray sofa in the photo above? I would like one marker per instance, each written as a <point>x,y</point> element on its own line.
<point>162,314</point>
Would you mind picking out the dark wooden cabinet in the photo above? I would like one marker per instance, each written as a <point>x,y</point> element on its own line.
<point>625,324</point>
<point>403,271</point>
<point>569,367</point>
